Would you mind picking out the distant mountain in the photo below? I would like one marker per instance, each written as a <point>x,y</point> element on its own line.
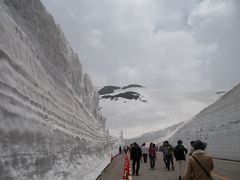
<point>108,90</point>
<point>143,107</point>
<point>126,95</point>
<point>111,89</point>
<point>132,86</point>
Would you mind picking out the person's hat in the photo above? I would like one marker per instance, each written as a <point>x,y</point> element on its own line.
<point>179,142</point>
<point>199,145</point>
<point>192,142</point>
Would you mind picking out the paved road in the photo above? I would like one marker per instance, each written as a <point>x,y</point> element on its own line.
<point>115,169</point>
<point>224,170</point>
<point>159,172</point>
<point>228,169</point>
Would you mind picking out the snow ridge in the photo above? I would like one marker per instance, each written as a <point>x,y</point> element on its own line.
<point>156,137</point>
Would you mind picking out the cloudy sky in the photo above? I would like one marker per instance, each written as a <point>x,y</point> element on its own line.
<point>188,46</point>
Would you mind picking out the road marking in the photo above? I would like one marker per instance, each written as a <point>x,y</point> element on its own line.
<point>221,177</point>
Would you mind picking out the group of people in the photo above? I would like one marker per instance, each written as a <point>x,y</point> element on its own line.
<point>198,167</point>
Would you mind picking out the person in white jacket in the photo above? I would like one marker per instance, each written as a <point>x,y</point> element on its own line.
<point>144,152</point>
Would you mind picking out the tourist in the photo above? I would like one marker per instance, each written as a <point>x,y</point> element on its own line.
<point>200,164</point>
<point>168,149</point>
<point>152,155</point>
<point>144,152</point>
<point>136,154</point>
<point>179,153</point>
<point>120,150</point>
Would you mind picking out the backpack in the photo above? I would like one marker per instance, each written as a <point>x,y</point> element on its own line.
<point>179,150</point>
<point>169,150</point>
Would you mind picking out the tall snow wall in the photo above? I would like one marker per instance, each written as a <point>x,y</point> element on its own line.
<point>50,123</point>
<point>218,125</point>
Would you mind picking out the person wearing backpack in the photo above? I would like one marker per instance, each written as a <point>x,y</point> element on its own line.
<point>168,150</point>
<point>179,153</point>
<point>199,164</point>
<point>136,154</point>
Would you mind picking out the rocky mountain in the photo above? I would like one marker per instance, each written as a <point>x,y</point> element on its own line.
<point>108,90</point>
<point>115,92</point>
<point>111,89</point>
<point>125,95</point>
<point>147,109</point>
<point>50,123</point>
<point>132,86</point>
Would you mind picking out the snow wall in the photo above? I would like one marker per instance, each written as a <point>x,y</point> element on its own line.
<point>156,137</point>
<point>50,123</point>
<point>218,125</point>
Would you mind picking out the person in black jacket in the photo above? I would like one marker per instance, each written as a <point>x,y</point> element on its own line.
<point>179,153</point>
<point>136,154</point>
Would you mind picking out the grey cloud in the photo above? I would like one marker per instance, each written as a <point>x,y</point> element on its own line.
<point>174,37</point>
<point>181,46</point>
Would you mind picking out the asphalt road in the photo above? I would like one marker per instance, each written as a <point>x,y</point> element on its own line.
<point>226,169</point>
<point>223,170</point>
<point>114,170</point>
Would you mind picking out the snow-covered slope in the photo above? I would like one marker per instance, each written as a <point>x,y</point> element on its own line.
<point>50,123</point>
<point>148,110</point>
<point>156,137</point>
<point>218,125</point>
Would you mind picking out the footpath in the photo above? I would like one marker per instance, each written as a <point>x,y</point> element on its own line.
<point>224,170</point>
<point>114,170</point>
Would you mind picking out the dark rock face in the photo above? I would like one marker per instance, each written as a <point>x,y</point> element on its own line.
<point>111,89</point>
<point>132,86</point>
<point>126,95</point>
<point>108,90</point>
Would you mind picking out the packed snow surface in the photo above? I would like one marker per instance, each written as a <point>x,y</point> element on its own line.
<point>218,125</point>
<point>50,123</point>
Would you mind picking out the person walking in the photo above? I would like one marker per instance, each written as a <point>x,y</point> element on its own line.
<point>200,164</point>
<point>144,152</point>
<point>152,155</point>
<point>136,154</point>
<point>192,149</point>
<point>120,150</point>
<point>164,151</point>
<point>168,149</point>
<point>125,148</point>
<point>179,153</point>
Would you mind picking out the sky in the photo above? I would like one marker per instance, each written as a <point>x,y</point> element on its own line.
<point>182,46</point>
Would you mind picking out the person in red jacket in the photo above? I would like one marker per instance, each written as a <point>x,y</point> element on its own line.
<point>152,155</point>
